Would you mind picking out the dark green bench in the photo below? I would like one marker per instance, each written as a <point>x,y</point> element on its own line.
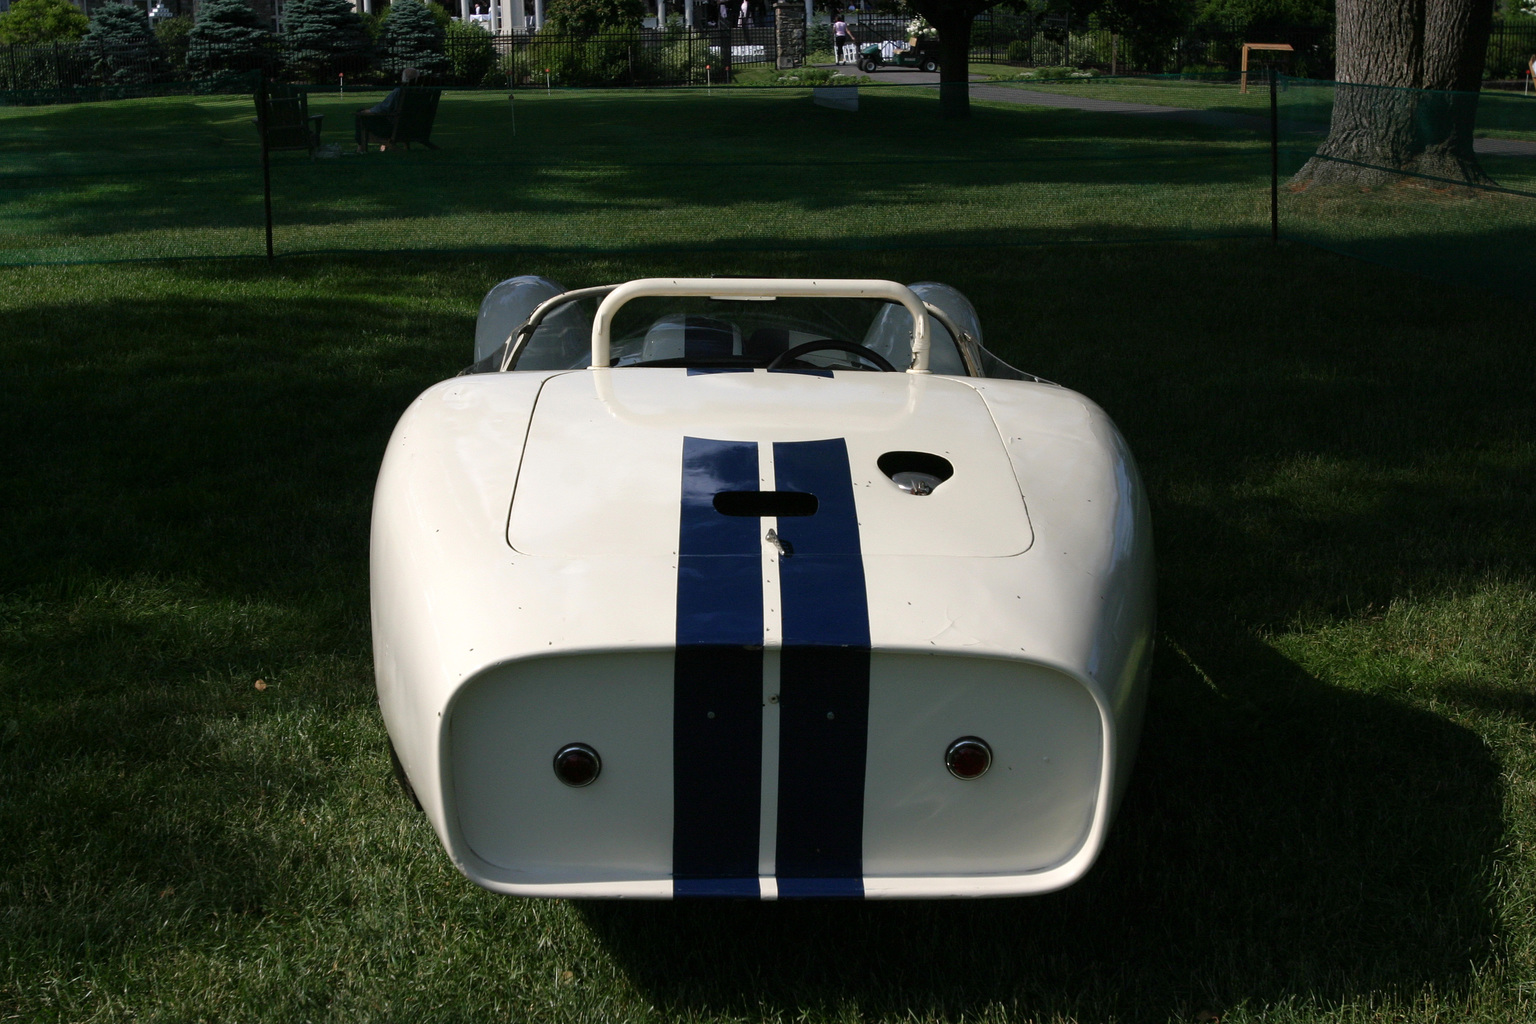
<point>287,121</point>
<point>412,122</point>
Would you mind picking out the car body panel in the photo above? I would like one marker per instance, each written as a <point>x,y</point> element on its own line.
<point>771,695</point>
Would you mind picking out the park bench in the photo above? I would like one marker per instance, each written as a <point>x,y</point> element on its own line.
<point>412,122</point>
<point>287,120</point>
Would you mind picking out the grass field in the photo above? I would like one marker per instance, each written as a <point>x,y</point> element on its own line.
<point>754,170</point>
<point>594,171</point>
<point>1334,813</point>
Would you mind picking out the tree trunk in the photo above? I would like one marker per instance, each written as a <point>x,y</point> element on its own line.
<point>1388,51</point>
<point>953,23</point>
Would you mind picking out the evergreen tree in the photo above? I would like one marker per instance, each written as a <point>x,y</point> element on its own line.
<point>228,36</point>
<point>324,37</point>
<point>122,46</point>
<point>412,38</point>
<point>41,21</point>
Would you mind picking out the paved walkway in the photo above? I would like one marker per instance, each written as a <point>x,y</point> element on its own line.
<point>1213,118</point>
<point>1187,115</point>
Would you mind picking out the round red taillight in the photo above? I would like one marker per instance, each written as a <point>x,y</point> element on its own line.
<point>577,764</point>
<point>968,758</point>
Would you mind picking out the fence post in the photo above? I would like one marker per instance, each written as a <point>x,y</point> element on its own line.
<point>266,161</point>
<point>1274,158</point>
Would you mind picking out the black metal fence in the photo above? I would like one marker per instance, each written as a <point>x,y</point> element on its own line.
<point>52,72</point>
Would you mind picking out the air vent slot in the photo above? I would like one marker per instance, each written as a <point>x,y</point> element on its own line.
<point>761,504</point>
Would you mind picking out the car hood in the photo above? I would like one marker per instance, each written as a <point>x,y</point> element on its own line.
<point>605,469</point>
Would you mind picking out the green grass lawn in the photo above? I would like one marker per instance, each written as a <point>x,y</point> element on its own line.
<point>733,170</point>
<point>1334,813</point>
<point>595,171</point>
<point>1162,91</point>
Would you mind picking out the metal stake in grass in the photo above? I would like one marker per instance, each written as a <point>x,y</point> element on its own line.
<point>512,106</point>
<point>709,82</point>
<point>263,99</point>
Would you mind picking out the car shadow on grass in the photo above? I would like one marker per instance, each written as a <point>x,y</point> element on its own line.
<point>1281,838</point>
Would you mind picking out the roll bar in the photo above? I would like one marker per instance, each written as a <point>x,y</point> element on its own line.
<point>760,288</point>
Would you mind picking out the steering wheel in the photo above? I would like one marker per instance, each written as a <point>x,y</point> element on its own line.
<point>831,344</point>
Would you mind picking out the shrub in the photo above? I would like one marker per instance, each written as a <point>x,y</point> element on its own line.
<point>45,67</point>
<point>122,47</point>
<point>515,67</point>
<point>1043,74</point>
<point>171,34</point>
<point>324,37</point>
<point>1018,51</point>
<point>814,76</point>
<point>680,62</point>
<point>470,53</point>
<point>412,38</point>
<point>42,21</point>
<point>604,60</point>
<point>228,36</point>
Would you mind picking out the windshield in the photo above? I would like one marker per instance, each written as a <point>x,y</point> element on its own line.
<point>787,333</point>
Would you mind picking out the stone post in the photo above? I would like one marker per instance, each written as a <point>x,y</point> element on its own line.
<point>789,33</point>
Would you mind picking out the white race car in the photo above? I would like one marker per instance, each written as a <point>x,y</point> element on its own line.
<point>761,588</point>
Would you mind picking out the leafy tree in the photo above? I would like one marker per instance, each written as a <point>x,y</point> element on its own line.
<point>42,21</point>
<point>122,47</point>
<point>412,38</point>
<point>588,17</point>
<point>228,36</point>
<point>324,37</point>
<point>1276,13</point>
<point>1388,51</point>
<point>1150,25</point>
<point>472,54</point>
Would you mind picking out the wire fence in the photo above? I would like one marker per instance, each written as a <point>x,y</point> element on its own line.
<point>1449,191</point>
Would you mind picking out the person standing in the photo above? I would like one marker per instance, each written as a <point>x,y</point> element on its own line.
<point>746,13</point>
<point>842,36</point>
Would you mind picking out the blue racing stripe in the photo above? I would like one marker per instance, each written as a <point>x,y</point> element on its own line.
<point>824,679</point>
<point>823,580</point>
<point>717,678</point>
<point>719,568</point>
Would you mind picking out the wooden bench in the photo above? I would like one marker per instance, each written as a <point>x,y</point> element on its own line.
<point>412,122</point>
<point>287,122</point>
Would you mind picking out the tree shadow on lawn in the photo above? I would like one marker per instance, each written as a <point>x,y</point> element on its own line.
<point>713,165</point>
<point>157,137</point>
<point>1281,839</point>
<point>1282,836</point>
<point>1310,456</point>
